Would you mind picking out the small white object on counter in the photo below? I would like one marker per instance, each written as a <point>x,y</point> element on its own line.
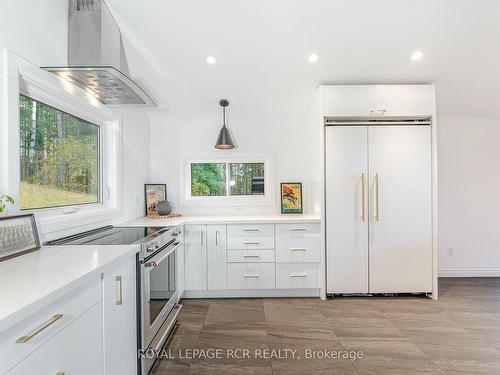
<point>30,282</point>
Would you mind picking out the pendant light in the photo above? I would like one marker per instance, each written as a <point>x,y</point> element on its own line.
<point>224,140</point>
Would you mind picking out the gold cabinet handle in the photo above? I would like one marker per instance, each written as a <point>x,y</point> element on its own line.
<point>29,336</point>
<point>59,373</point>
<point>362,196</point>
<point>119,299</point>
<point>297,249</point>
<point>377,199</point>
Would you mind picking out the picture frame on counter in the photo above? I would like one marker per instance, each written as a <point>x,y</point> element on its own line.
<point>154,193</point>
<point>18,236</point>
<point>291,198</point>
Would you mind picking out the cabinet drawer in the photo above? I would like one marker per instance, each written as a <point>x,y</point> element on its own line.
<point>250,242</point>
<point>251,275</point>
<point>248,230</point>
<point>77,349</point>
<point>251,256</point>
<point>297,229</point>
<point>297,275</point>
<point>70,306</point>
<point>300,248</point>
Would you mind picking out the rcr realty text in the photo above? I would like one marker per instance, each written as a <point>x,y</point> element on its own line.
<point>239,353</point>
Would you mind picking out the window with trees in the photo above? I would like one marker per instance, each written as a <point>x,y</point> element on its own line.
<point>60,157</point>
<point>221,179</point>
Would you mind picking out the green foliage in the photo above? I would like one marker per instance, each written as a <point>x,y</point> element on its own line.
<point>4,200</point>
<point>208,179</point>
<point>199,189</point>
<point>58,150</point>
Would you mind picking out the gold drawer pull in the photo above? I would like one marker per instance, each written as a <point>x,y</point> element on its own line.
<point>45,325</point>
<point>298,249</point>
<point>298,275</point>
<point>297,230</point>
<point>252,243</point>
<point>59,373</point>
<point>251,256</point>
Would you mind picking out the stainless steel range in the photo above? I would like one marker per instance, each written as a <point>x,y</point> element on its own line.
<point>157,299</point>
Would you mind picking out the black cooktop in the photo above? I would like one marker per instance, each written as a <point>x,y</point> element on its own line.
<point>111,235</point>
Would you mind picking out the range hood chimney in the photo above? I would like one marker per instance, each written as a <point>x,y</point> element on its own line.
<point>96,60</point>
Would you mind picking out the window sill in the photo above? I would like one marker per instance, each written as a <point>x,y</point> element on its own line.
<point>58,223</point>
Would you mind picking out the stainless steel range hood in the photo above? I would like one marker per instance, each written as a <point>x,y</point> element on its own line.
<point>96,60</point>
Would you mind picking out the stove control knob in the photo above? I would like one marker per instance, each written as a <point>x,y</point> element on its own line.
<point>151,248</point>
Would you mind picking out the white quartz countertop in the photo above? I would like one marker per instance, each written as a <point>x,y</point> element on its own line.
<point>224,219</point>
<point>32,281</point>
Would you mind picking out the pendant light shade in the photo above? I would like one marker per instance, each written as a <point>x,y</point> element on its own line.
<point>224,140</point>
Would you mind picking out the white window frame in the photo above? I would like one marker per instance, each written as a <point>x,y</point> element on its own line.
<point>231,200</point>
<point>19,76</point>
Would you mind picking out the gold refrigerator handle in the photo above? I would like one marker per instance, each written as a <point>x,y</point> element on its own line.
<point>362,197</point>
<point>377,199</point>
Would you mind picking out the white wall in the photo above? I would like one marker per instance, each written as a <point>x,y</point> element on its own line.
<point>136,161</point>
<point>469,195</point>
<point>36,30</point>
<point>289,142</point>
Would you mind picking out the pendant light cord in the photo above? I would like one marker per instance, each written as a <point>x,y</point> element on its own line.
<point>224,116</point>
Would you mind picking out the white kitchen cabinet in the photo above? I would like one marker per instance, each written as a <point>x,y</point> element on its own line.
<point>195,257</point>
<point>241,260</point>
<point>250,236</point>
<point>378,100</point>
<point>251,275</point>
<point>297,275</point>
<point>379,209</point>
<point>250,256</point>
<point>119,316</point>
<point>75,350</point>
<point>54,318</point>
<point>216,257</point>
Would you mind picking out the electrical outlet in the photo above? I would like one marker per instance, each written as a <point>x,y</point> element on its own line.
<point>450,250</point>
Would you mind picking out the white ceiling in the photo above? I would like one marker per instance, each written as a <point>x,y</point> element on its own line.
<point>262,48</point>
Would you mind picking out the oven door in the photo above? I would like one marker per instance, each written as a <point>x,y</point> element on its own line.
<point>159,292</point>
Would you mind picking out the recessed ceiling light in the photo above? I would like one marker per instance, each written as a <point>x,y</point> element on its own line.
<point>211,60</point>
<point>313,58</point>
<point>417,55</point>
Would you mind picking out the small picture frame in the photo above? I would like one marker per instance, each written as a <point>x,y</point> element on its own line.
<point>154,193</point>
<point>291,198</point>
<point>18,236</point>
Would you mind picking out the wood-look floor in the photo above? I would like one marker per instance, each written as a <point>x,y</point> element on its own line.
<point>458,334</point>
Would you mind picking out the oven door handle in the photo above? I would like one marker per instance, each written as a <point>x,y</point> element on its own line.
<point>155,261</point>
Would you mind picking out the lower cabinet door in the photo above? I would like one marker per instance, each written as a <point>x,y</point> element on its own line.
<point>251,275</point>
<point>119,314</point>
<point>195,257</point>
<point>297,275</point>
<point>76,350</point>
<point>216,257</point>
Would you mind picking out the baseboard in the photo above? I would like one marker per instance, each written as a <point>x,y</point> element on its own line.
<point>251,293</point>
<point>451,272</point>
